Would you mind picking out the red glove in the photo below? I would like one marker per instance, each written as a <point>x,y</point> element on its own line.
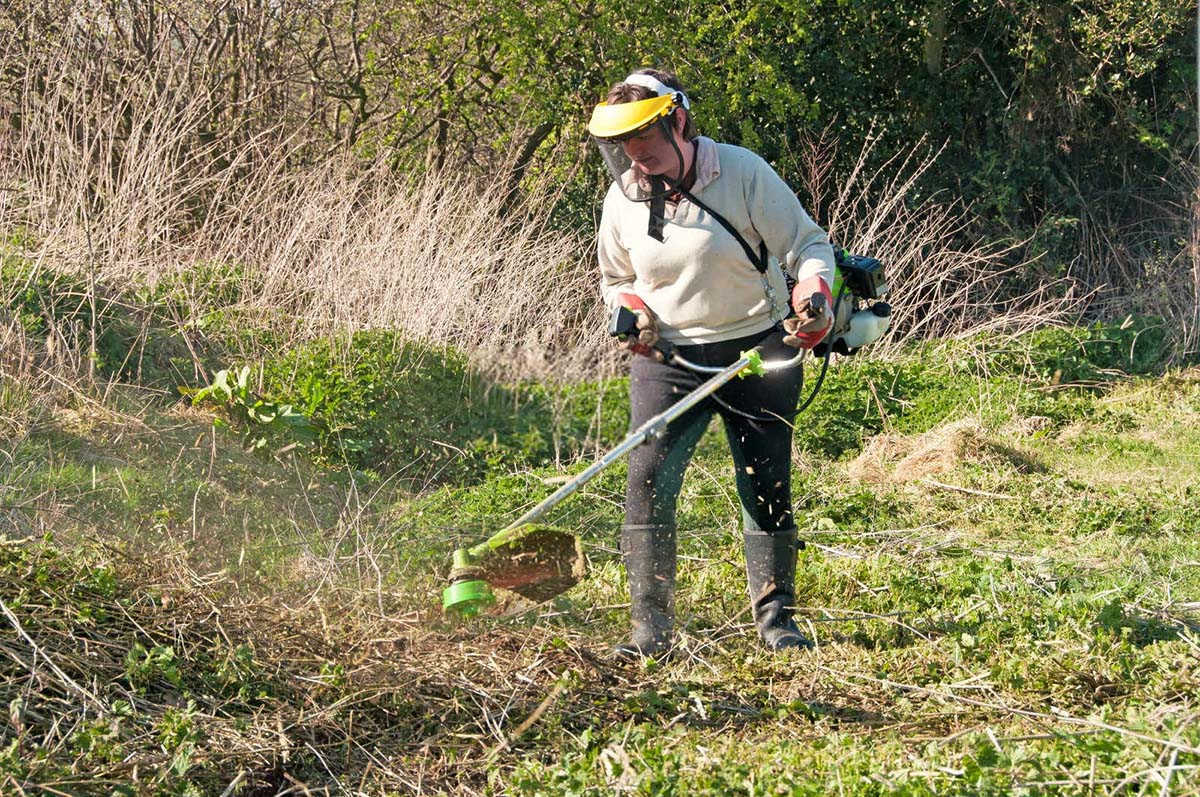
<point>810,325</point>
<point>647,324</point>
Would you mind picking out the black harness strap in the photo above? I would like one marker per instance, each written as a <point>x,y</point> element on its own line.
<point>658,208</point>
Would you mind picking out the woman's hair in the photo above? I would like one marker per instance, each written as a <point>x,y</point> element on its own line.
<point>627,92</point>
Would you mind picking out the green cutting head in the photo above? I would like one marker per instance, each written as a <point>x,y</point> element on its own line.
<point>467,598</point>
<point>535,562</point>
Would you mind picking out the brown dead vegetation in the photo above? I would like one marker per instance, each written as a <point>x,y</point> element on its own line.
<point>905,458</point>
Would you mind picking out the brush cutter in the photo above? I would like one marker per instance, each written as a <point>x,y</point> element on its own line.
<point>538,562</point>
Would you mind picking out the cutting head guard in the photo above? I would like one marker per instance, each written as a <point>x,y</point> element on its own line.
<point>615,123</point>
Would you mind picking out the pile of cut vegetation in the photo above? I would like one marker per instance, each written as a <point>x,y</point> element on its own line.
<point>904,458</point>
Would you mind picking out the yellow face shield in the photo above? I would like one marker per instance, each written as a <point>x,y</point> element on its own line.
<point>626,118</point>
<point>614,125</point>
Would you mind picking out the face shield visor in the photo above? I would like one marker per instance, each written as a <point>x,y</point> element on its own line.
<point>642,128</point>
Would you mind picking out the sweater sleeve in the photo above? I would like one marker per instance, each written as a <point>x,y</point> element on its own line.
<point>616,269</point>
<point>789,232</point>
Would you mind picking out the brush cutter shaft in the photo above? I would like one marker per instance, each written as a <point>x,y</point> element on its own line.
<point>650,428</point>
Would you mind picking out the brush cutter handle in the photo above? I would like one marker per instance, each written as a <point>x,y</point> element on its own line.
<point>623,326</point>
<point>813,318</point>
<point>774,365</point>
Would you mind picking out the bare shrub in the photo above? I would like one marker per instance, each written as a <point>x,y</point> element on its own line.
<point>942,284</point>
<point>1148,263</point>
<point>125,192</point>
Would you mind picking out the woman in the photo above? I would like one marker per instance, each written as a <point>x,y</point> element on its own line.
<point>686,240</point>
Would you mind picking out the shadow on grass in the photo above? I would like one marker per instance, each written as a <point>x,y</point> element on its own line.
<point>702,706</point>
<point>388,406</point>
<point>1143,630</point>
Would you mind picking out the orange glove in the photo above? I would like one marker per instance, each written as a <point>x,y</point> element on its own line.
<point>813,320</point>
<point>647,325</point>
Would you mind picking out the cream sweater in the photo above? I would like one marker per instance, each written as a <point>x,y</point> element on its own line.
<point>698,280</point>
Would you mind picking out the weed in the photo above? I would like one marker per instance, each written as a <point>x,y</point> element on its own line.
<point>127,333</point>
<point>237,675</point>
<point>1100,352</point>
<point>260,419</point>
<point>143,667</point>
<point>179,736</point>
<point>99,741</point>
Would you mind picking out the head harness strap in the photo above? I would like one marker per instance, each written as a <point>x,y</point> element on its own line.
<point>658,87</point>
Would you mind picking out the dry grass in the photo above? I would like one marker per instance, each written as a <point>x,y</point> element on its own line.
<point>1148,262</point>
<point>303,252</point>
<point>903,458</point>
<point>36,376</point>
<point>943,283</point>
<point>339,696</point>
<point>347,692</point>
<point>362,700</point>
<point>442,260</point>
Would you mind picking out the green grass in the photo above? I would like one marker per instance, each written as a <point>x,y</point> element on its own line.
<point>387,406</point>
<point>1019,616</point>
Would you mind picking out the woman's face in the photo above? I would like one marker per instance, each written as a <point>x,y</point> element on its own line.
<point>653,153</point>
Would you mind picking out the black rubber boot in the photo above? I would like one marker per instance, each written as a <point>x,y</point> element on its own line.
<point>771,577</point>
<point>649,553</point>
